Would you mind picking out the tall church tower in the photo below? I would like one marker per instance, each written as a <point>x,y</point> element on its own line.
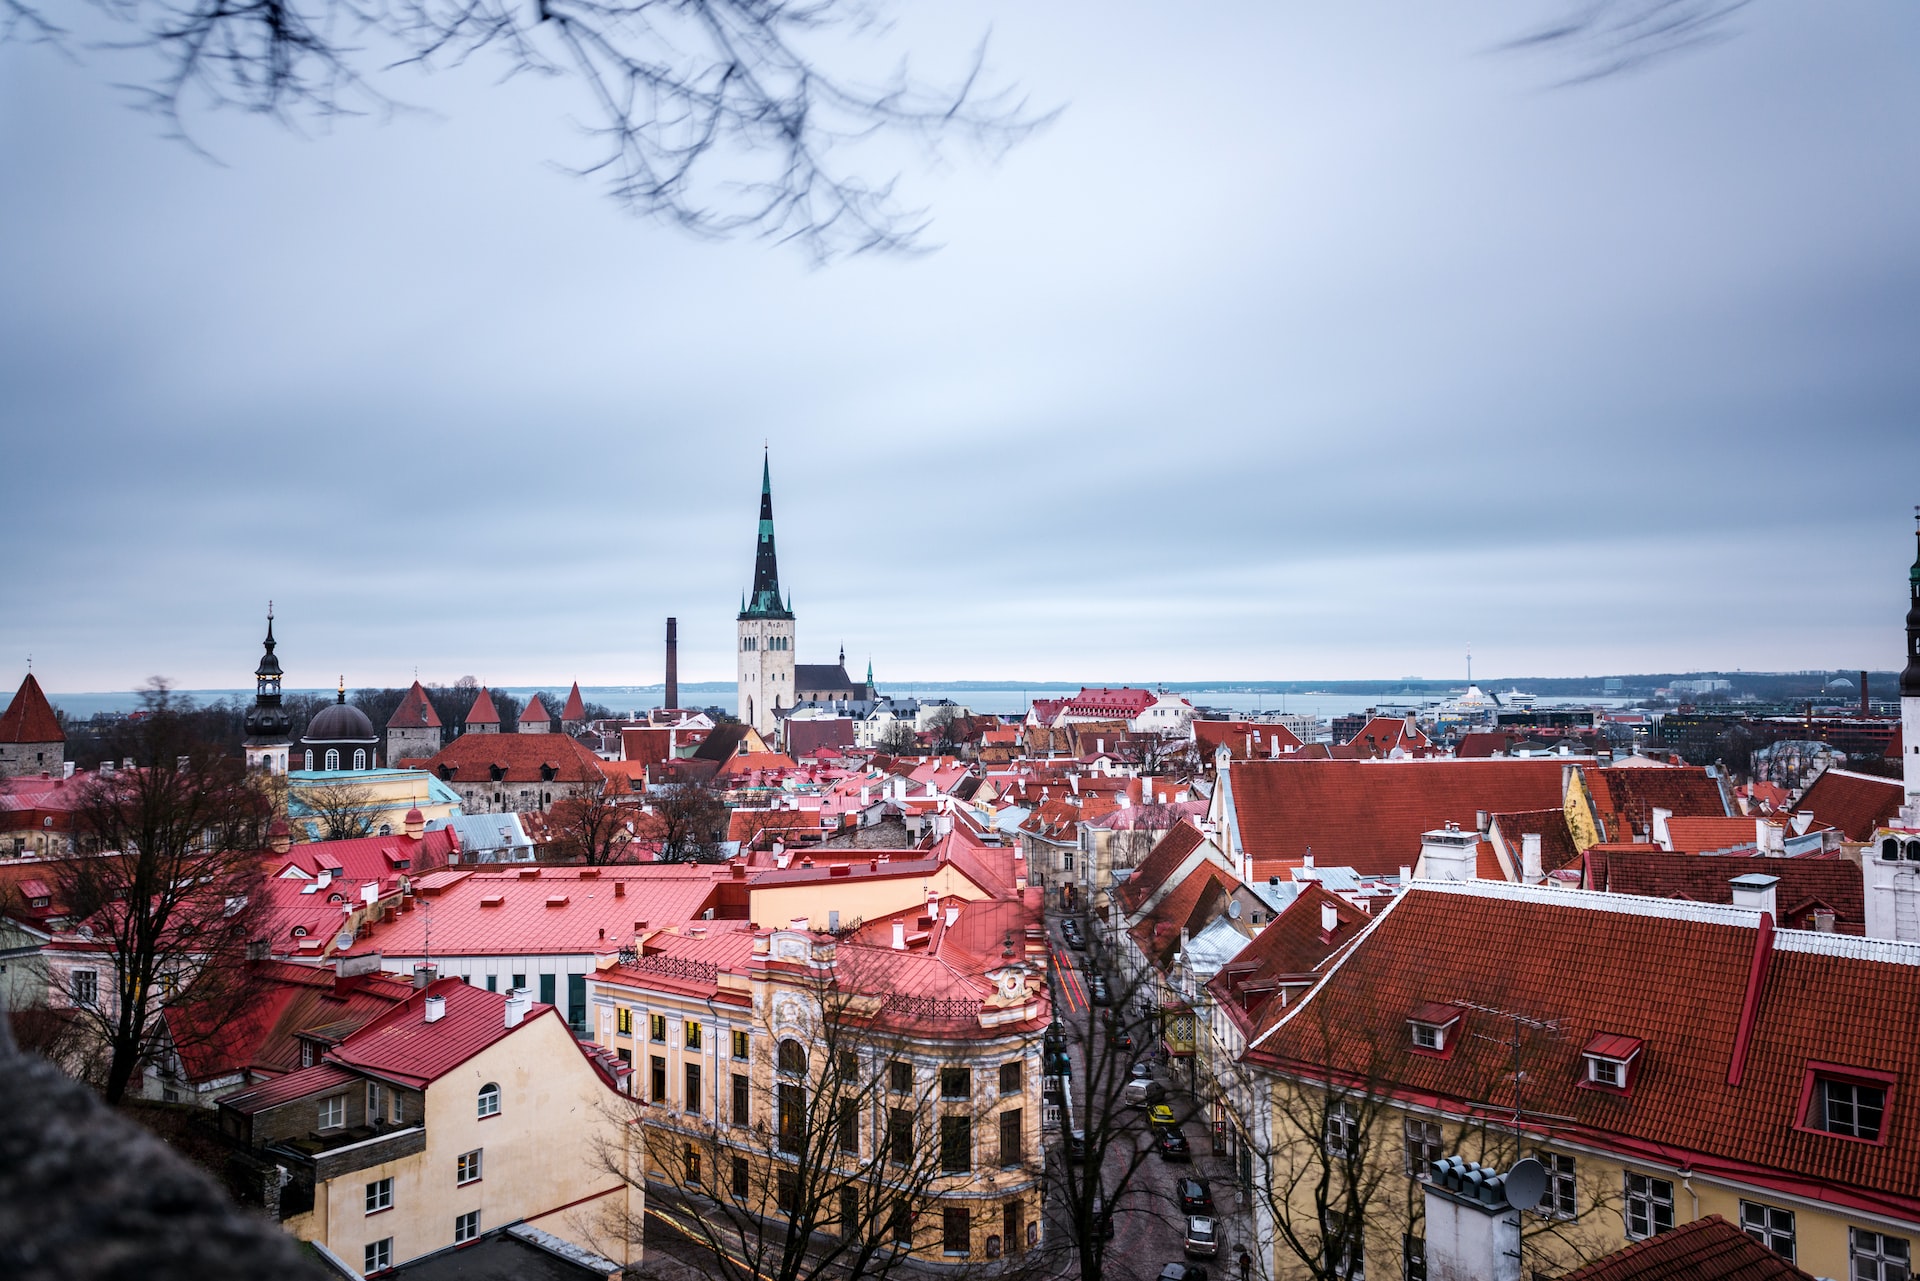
<point>766,631</point>
<point>1910,684</point>
<point>267,724</point>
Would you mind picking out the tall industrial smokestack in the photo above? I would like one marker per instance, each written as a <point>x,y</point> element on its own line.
<point>673,663</point>
<point>1865,710</point>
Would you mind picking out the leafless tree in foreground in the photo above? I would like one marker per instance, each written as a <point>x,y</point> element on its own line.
<point>692,822</point>
<point>341,811</point>
<point>180,902</point>
<point>589,828</point>
<point>718,115</point>
<point>1609,37</point>
<point>834,1152</point>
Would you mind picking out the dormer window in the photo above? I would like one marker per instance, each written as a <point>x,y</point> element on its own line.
<point>1432,1027</point>
<point>1612,1061</point>
<point>1848,1102</point>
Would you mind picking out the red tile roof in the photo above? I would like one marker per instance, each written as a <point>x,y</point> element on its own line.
<point>1195,903</point>
<point>1479,746</point>
<point>1123,703</point>
<point>1168,853</point>
<point>369,858</point>
<point>1806,884</point>
<point>1369,815</point>
<point>1624,797</point>
<point>1854,803</point>
<point>1292,944</point>
<point>472,758</point>
<point>510,913</point>
<point>576,708</point>
<point>1709,1249</point>
<point>1380,735</point>
<point>483,711</point>
<point>1247,740</point>
<point>401,1045</point>
<point>283,1000</point>
<point>29,717</point>
<point>1713,835</point>
<point>319,1078</point>
<point>1732,1013</point>
<point>415,711</point>
<point>535,711</point>
<point>1557,849</point>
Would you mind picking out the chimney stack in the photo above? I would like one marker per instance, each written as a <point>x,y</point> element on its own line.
<point>899,936</point>
<point>672,692</point>
<point>424,975</point>
<point>436,1008</point>
<point>1329,919</point>
<point>1530,870</point>
<point>1755,890</point>
<point>1863,696</point>
<point>1473,1217</point>
<point>519,1001</point>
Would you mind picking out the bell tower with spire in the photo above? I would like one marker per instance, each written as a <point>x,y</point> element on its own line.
<point>765,628</point>
<point>1910,685</point>
<point>267,724</point>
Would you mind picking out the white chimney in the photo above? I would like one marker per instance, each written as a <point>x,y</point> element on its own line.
<point>1472,1230</point>
<point>1329,918</point>
<point>1755,890</point>
<point>899,936</point>
<point>797,923</point>
<point>436,1008</point>
<point>1406,874</point>
<point>519,1000</point>
<point>1662,834</point>
<point>68,771</point>
<point>1448,854</point>
<point>1530,870</point>
<point>1306,860</point>
<point>953,914</point>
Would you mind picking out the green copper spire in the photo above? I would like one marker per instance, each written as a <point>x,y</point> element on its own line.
<point>765,601</point>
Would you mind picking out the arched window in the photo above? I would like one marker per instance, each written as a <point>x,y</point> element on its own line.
<point>490,1099</point>
<point>359,758</point>
<point>793,1057</point>
<point>333,759</point>
<point>1913,851</point>
<point>1890,850</point>
<point>309,758</point>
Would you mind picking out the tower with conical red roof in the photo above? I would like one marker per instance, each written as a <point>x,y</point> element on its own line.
<point>482,716</point>
<point>31,740</point>
<point>413,731</point>
<point>765,628</point>
<point>573,716</point>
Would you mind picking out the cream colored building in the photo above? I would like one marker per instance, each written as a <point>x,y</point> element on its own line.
<point>458,1113</point>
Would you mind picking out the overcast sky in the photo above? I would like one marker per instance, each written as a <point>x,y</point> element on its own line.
<point>1313,341</point>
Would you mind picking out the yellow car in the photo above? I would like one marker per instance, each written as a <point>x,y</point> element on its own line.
<point>1160,1115</point>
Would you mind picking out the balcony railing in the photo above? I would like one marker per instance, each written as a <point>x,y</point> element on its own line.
<point>324,1157</point>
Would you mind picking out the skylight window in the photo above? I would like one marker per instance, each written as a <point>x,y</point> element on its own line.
<point>1851,1103</point>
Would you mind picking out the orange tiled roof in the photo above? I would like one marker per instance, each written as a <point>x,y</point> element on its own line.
<point>29,717</point>
<point>1731,1018</point>
<point>415,711</point>
<point>1709,1249</point>
<point>1854,803</point>
<point>471,758</point>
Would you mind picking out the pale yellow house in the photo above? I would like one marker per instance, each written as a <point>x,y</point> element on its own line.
<point>456,1114</point>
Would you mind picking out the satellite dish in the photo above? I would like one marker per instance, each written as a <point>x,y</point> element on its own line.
<point>1526,1183</point>
<point>1233,909</point>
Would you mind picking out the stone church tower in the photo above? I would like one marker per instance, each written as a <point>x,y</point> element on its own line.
<point>766,629</point>
<point>267,721</point>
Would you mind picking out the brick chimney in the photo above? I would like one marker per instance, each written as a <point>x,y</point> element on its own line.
<point>672,693</point>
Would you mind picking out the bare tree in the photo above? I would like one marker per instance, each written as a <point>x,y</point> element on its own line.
<point>340,811</point>
<point>899,738</point>
<point>1609,37</point>
<point>839,1161</point>
<point>180,900</point>
<point>716,115</point>
<point>692,822</point>
<point>589,828</point>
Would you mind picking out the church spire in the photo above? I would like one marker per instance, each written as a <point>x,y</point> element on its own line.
<point>765,601</point>
<point>1910,678</point>
<point>267,722</point>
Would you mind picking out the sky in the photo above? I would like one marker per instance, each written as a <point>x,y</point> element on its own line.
<point>1308,342</point>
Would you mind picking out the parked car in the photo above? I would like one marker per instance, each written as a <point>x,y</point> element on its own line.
<point>1102,1217</point>
<point>1139,1071</point>
<point>1120,1039</point>
<point>1203,1240</point>
<point>1194,1195</point>
<point>1174,1146</point>
<point>1097,990</point>
<point>1076,942</point>
<point>1160,1115</point>
<point>1183,1272</point>
<point>1143,1091</point>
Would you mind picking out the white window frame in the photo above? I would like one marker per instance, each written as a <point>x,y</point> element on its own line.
<point>86,994</point>
<point>378,1256</point>
<point>1823,1108</point>
<point>332,1113</point>
<point>1878,1256</point>
<point>1611,1073</point>
<point>489,1093</point>
<point>1436,1036</point>
<point>467,1167</point>
<point>1343,1127</point>
<point>466,1227</point>
<point>1646,1202</point>
<point>1772,1227</point>
<point>1422,1137</point>
<point>379,1195</point>
<point>1561,1200</point>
